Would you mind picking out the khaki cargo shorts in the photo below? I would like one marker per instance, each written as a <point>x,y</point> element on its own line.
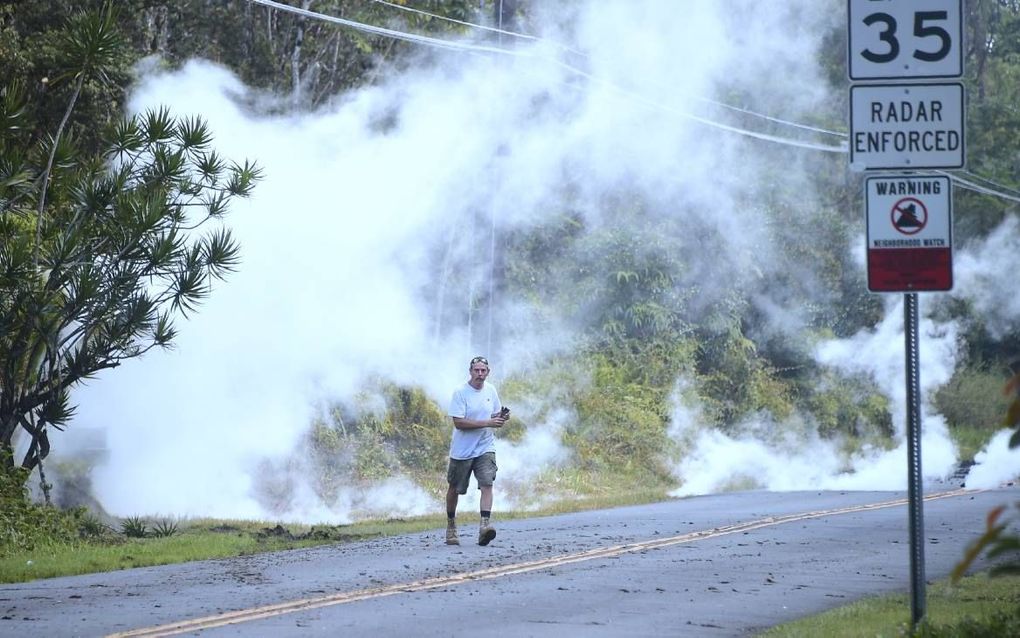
<point>458,474</point>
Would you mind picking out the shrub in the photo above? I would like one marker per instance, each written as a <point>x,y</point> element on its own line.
<point>373,461</point>
<point>388,426</point>
<point>164,529</point>
<point>417,430</point>
<point>25,525</point>
<point>134,527</point>
<point>89,525</point>
<point>735,381</point>
<point>848,405</point>
<point>619,423</point>
<point>973,398</point>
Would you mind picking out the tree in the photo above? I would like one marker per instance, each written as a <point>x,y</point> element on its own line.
<point>266,47</point>
<point>101,246</point>
<point>312,60</point>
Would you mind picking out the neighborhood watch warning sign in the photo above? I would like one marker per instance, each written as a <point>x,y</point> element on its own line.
<point>909,233</point>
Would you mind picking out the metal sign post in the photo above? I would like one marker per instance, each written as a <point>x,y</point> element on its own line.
<point>915,493</point>
<point>907,126</point>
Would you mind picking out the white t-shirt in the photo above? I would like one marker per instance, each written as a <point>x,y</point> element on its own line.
<point>477,405</point>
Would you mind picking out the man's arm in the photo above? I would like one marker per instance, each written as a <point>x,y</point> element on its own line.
<point>462,423</point>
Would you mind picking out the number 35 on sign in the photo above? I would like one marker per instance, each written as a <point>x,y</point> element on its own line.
<point>901,39</point>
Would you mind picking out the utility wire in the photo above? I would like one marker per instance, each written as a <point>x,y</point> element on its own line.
<point>436,16</point>
<point>564,47</point>
<point>993,184</point>
<point>777,120</point>
<point>978,188</point>
<point>389,33</point>
<point>464,46</point>
<point>815,146</point>
<point>806,127</point>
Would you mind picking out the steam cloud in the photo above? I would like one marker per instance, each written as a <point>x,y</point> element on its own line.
<point>369,240</point>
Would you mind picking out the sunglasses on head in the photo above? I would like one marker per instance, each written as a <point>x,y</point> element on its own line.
<point>479,360</point>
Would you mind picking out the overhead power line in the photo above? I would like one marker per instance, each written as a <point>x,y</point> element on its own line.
<point>996,191</point>
<point>463,23</point>
<point>978,188</point>
<point>990,182</point>
<point>564,47</point>
<point>389,33</point>
<point>776,120</point>
<point>464,46</point>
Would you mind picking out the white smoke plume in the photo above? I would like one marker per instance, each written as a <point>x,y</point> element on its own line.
<point>717,461</point>
<point>996,464</point>
<point>367,250</point>
<point>799,459</point>
<point>522,465</point>
<point>984,276</point>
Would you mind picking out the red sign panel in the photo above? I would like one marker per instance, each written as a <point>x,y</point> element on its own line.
<point>910,269</point>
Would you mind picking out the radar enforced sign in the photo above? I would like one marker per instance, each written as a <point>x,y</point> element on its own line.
<point>909,233</point>
<point>906,126</point>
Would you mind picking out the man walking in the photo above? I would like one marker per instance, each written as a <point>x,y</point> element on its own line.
<point>475,409</point>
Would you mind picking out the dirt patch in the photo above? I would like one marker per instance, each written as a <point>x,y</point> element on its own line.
<point>276,532</point>
<point>334,533</point>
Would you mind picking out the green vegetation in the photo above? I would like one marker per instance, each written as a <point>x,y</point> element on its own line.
<point>134,527</point>
<point>100,242</point>
<point>973,404</point>
<point>94,264</point>
<point>651,313</point>
<point>59,543</point>
<point>1000,542</point>
<point>975,607</point>
<point>385,432</point>
<point>197,541</point>
<point>25,525</point>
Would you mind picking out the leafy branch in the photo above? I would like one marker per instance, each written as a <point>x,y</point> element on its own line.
<point>101,249</point>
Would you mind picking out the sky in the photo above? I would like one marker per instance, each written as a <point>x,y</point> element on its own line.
<point>372,233</point>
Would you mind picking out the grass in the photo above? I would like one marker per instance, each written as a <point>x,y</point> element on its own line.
<point>209,538</point>
<point>967,608</point>
<point>977,606</point>
<point>970,440</point>
<point>194,540</point>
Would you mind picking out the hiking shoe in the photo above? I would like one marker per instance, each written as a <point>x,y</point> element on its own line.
<point>451,536</point>
<point>485,535</point>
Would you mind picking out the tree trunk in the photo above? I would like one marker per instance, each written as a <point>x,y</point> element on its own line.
<point>979,18</point>
<point>504,14</point>
<point>156,29</point>
<point>295,56</point>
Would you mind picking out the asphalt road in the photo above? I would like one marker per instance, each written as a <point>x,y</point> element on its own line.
<point>722,565</point>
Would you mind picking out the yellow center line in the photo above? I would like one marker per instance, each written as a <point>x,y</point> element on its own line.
<point>268,611</point>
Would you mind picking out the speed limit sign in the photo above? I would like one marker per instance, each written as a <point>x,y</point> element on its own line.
<point>899,39</point>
